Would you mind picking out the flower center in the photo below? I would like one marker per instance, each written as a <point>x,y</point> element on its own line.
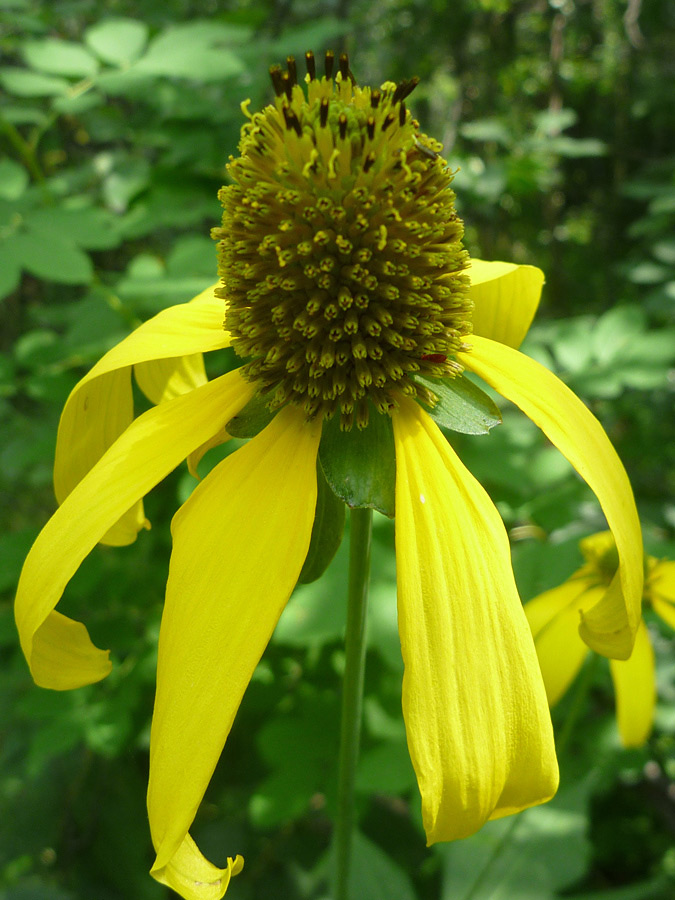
<point>340,249</point>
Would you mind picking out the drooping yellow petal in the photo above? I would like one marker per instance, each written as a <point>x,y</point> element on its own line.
<point>506,297</point>
<point>197,455</point>
<point>188,867</point>
<point>100,407</point>
<point>635,688</point>
<point>239,544</point>
<point>660,590</point>
<point>665,610</point>
<point>610,626</point>
<point>542,609</point>
<point>59,651</point>
<point>554,619</point>
<point>477,721</point>
<point>164,379</point>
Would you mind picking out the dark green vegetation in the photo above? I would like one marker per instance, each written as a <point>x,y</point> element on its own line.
<point>114,129</point>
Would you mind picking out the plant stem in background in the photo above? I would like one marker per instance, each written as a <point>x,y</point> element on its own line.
<point>352,695</point>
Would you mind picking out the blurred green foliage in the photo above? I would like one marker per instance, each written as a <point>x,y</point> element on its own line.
<point>116,123</point>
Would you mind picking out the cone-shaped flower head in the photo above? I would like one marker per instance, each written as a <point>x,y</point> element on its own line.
<point>340,248</point>
<point>554,617</point>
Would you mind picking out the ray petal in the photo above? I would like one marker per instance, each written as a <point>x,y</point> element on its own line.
<point>477,720</point>
<point>239,544</point>
<point>610,626</point>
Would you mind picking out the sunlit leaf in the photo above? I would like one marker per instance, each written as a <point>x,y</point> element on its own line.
<point>117,41</point>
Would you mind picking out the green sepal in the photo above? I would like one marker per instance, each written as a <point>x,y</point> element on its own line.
<point>462,406</point>
<point>329,524</point>
<point>252,419</point>
<point>360,466</point>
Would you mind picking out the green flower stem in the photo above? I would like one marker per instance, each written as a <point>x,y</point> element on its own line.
<point>361,522</point>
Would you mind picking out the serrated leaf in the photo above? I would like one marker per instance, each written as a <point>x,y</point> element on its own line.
<point>55,57</point>
<point>360,466</point>
<point>462,406</point>
<point>117,41</point>
<point>327,530</point>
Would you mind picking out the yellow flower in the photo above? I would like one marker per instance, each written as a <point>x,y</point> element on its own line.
<point>344,280</point>
<point>554,617</point>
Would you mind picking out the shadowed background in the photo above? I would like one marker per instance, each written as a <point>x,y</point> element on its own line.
<point>115,128</point>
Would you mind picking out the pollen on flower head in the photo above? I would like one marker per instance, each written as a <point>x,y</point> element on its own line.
<point>340,249</point>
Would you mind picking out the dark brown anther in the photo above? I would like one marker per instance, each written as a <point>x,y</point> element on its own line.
<point>292,121</point>
<point>287,85</point>
<point>401,113</point>
<point>330,59</point>
<point>342,125</point>
<point>277,83</point>
<point>344,66</point>
<point>292,69</point>
<point>323,112</point>
<point>387,122</point>
<point>404,89</point>
<point>368,162</point>
<point>375,99</point>
<point>370,127</point>
<point>311,64</point>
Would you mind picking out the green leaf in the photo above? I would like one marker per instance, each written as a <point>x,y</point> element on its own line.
<point>552,121</point>
<point>23,83</point>
<point>55,57</point>
<point>329,524</point>
<point>375,875</point>
<point>664,251</point>
<point>648,273</point>
<point>360,466</point>
<point>521,857</point>
<point>79,103</point>
<point>486,130</point>
<point>577,148</point>
<point>24,115</point>
<point>660,888</point>
<point>462,406</point>
<point>195,50</point>
<point>298,748</point>
<point>125,182</point>
<point>386,769</point>
<point>192,255</point>
<point>88,227</point>
<point>615,330</point>
<point>663,203</point>
<point>252,419</point>
<point>53,258</point>
<point>117,41</point>
<point>13,179</point>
